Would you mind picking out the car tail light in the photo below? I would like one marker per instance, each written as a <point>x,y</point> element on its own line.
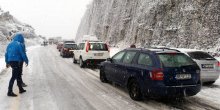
<point>172,53</point>
<point>218,64</point>
<point>87,46</point>
<point>66,49</point>
<point>106,46</point>
<point>157,74</point>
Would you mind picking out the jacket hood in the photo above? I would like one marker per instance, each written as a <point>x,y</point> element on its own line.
<point>19,38</point>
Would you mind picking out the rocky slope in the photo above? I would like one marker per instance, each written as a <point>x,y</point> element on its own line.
<point>174,23</point>
<point>10,25</point>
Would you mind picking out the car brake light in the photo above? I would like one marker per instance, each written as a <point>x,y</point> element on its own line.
<point>218,64</point>
<point>106,46</point>
<point>65,49</point>
<point>157,74</point>
<point>172,53</point>
<point>87,46</point>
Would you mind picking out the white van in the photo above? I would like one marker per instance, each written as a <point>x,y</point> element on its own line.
<point>91,53</point>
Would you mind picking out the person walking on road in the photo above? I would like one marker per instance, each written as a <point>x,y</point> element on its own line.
<point>15,56</point>
<point>21,73</point>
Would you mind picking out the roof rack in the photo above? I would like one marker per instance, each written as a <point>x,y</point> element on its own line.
<point>91,41</point>
<point>163,49</point>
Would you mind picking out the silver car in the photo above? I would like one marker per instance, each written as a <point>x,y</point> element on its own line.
<point>209,65</point>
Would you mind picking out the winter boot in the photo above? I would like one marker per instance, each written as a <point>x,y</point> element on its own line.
<point>11,94</point>
<point>22,91</point>
<point>23,85</point>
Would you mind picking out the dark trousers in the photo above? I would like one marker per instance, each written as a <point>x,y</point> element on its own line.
<point>16,71</point>
<point>20,73</point>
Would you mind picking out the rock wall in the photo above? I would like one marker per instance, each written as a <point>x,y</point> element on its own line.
<point>9,25</point>
<point>174,23</point>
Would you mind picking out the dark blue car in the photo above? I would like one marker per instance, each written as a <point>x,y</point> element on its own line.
<point>152,73</point>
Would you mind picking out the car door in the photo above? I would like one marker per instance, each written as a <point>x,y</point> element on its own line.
<point>111,67</point>
<point>122,68</point>
<point>78,52</point>
<point>145,64</point>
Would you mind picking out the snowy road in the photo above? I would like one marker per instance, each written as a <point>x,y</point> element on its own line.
<point>55,83</point>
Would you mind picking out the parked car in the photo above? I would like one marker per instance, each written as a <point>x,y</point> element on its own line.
<point>59,46</point>
<point>208,64</point>
<point>44,43</point>
<point>66,50</point>
<point>91,53</point>
<point>69,41</point>
<point>152,73</point>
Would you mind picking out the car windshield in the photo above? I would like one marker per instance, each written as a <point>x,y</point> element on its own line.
<point>98,46</point>
<point>175,59</point>
<point>74,46</point>
<point>200,56</point>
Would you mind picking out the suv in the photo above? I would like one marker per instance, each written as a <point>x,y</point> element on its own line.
<point>66,49</point>
<point>153,72</point>
<point>91,53</point>
<point>209,65</point>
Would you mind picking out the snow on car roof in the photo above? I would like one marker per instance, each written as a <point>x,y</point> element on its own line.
<point>94,42</point>
<point>186,50</point>
<point>70,43</point>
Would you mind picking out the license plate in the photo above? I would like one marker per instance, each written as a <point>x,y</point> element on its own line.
<point>98,54</point>
<point>207,66</point>
<point>183,76</point>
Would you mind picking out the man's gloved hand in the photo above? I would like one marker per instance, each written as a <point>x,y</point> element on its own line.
<point>7,65</point>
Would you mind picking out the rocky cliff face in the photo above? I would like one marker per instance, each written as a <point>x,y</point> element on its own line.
<point>174,23</point>
<point>9,26</point>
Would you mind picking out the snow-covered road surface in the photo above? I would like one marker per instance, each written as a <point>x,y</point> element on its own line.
<point>55,83</point>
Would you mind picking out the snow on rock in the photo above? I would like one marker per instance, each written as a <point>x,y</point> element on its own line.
<point>9,25</point>
<point>174,23</point>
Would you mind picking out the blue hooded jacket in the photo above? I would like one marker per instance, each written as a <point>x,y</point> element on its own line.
<point>16,50</point>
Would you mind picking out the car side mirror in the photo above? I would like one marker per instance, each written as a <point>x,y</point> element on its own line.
<point>109,59</point>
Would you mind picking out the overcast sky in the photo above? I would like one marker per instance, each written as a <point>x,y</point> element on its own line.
<point>50,18</point>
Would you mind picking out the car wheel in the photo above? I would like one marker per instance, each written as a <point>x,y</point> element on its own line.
<point>134,90</point>
<point>81,63</point>
<point>74,60</point>
<point>103,76</point>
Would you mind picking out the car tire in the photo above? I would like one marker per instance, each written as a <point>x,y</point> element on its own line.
<point>102,76</point>
<point>135,90</point>
<point>74,60</point>
<point>81,63</point>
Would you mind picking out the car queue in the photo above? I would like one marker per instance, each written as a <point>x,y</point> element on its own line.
<point>147,72</point>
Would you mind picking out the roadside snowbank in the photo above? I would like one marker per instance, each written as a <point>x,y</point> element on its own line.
<point>2,64</point>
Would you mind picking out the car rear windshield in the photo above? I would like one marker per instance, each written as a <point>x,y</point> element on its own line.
<point>69,41</point>
<point>200,56</point>
<point>175,59</point>
<point>74,46</point>
<point>98,46</point>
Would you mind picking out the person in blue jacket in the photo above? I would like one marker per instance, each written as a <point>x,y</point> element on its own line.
<point>20,75</point>
<point>15,56</point>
